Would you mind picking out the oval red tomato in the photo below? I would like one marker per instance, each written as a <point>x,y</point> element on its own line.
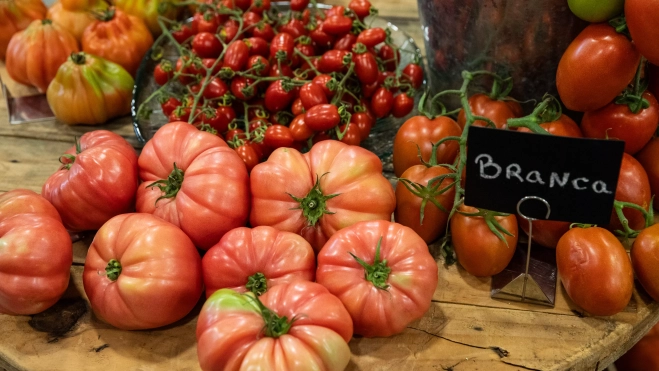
<point>633,186</point>
<point>645,260</point>
<point>322,117</point>
<point>641,17</point>
<point>649,158</point>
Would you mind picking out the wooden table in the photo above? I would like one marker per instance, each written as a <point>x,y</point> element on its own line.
<point>463,330</point>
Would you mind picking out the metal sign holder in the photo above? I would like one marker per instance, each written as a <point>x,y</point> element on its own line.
<point>523,287</point>
<point>26,109</point>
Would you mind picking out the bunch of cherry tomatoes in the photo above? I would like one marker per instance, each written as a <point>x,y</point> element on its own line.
<point>265,79</point>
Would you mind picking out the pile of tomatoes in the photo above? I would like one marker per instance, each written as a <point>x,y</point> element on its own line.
<point>264,79</point>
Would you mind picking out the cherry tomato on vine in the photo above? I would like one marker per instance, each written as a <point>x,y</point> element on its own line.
<point>299,5</point>
<point>366,67</point>
<point>333,61</point>
<point>229,31</point>
<point>320,37</point>
<point>263,31</point>
<point>170,105</point>
<point>345,42</point>
<point>322,117</point>
<point>297,107</point>
<point>277,136</point>
<point>322,80</point>
<point>206,45</point>
<point>351,135</point>
<point>236,55</point>
<point>312,95</point>
<point>234,134</point>
<point>335,10</point>
<point>499,111</point>
<point>250,19</point>
<point>215,89</point>
<point>295,27</point>
<point>413,73</point>
<point>382,102</point>
<point>364,123</point>
<point>403,105</point>
<point>299,129</point>
<point>262,62</point>
<point>259,6</point>
<point>163,73</point>
<point>205,22</point>
<point>362,8</point>
<point>182,33</point>
<point>389,57</point>
<point>285,70</point>
<point>337,25</point>
<point>248,155</point>
<point>277,98</point>
<point>372,37</point>
<point>238,84</point>
<point>282,41</point>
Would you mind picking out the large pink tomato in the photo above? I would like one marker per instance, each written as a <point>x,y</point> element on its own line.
<point>97,181</point>
<point>142,272</point>
<point>193,179</point>
<point>315,194</point>
<point>257,259</point>
<point>383,274</point>
<point>294,326</point>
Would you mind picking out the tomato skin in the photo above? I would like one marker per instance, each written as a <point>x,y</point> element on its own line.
<point>649,158</point>
<point>282,41</point>
<point>162,74</point>
<point>597,51</point>
<point>206,45</point>
<point>364,123</point>
<point>616,121</point>
<point>633,186</point>
<point>299,5</point>
<point>499,111</point>
<point>364,194</point>
<point>295,27</point>
<point>211,169</point>
<point>145,246</point>
<point>546,233</point>
<point>337,25</point>
<point>421,131</point>
<point>106,161</point>
<point>641,17</point>
<point>413,73</point>
<point>643,355</point>
<point>249,155</point>
<point>345,42</point>
<point>382,102</point>
<point>320,37</point>
<point>282,257</point>
<point>361,8</point>
<point>183,34</point>
<point>297,107</point>
<point>403,105</point>
<point>299,128</point>
<point>276,98</point>
<point>372,37</point>
<point>321,319</point>
<point>366,67</point>
<point>479,251</point>
<point>256,59</point>
<point>564,126</point>
<point>251,18</point>
<point>322,117</point>
<point>205,22</point>
<point>596,11</point>
<point>236,55</point>
<point>351,135</point>
<point>322,80</point>
<point>595,270</point>
<point>265,32</point>
<point>389,58</point>
<point>408,206</point>
<point>277,136</point>
<point>264,5</point>
<point>237,84</point>
<point>16,16</point>
<point>645,260</point>
<point>312,95</point>
<point>332,61</point>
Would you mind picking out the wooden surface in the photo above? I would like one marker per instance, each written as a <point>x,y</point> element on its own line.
<point>463,330</point>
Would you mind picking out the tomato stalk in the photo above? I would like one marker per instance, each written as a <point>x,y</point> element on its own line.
<point>634,97</point>
<point>257,284</point>
<point>113,270</point>
<point>492,223</point>
<point>546,111</point>
<point>275,326</point>
<point>171,185</point>
<point>627,231</point>
<point>378,272</point>
<point>313,205</point>
<point>68,160</point>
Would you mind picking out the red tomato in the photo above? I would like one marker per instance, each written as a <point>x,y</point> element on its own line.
<point>345,42</point>
<point>289,318</point>
<point>163,73</point>
<point>297,107</point>
<point>182,33</point>
<point>215,89</point>
<point>242,4</point>
<point>152,273</point>
<point>641,17</point>
<point>24,201</point>
<point>564,126</point>
<point>322,117</point>
<point>205,22</point>
<point>389,57</point>
<point>256,260</point>
<point>230,31</point>
<point>362,8</point>
<point>249,155</point>
<point>408,205</point>
<point>277,98</point>
<point>299,5</point>
<point>372,37</point>
<point>259,6</point>
<point>335,10</point>
<point>649,158</point>
<point>366,67</point>
<point>422,132</point>
<point>312,95</point>
<point>479,251</point>
<point>383,274</point>
<point>299,128</point>
<point>364,123</point>
<point>233,134</point>
<point>597,51</point>
<point>206,45</point>
<point>294,27</point>
<point>250,19</point>
<point>238,84</point>
<point>595,270</point>
<point>79,189</point>
<point>197,171</point>
<point>337,25</point>
<point>413,73</point>
<point>219,119</point>
<point>403,105</point>
<point>277,136</point>
<point>643,355</point>
<point>545,232</point>
<point>633,186</point>
<point>617,121</point>
<point>263,31</point>
<point>258,46</point>
<point>322,80</point>
<point>282,41</point>
<point>333,61</point>
<point>285,70</point>
<point>170,105</point>
<point>262,62</point>
<point>289,190</point>
<point>382,102</point>
<point>320,37</point>
<point>645,260</point>
<point>351,135</point>
<point>499,111</point>
<point>236,55</point>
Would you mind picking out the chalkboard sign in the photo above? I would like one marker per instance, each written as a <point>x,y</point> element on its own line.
<point>577,177</point>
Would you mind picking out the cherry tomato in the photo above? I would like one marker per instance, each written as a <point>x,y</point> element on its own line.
<point>248,155</point>
<point>255,60</point>
<point>564,126</point>
<point>322,80</point>
<point>333,61</point>
<point>285,70</point>
<point>163,72</point>
<point>206,45</point>
<point>311,95</point>
<point>597,51</point>
<point>205,22</point>
<point>299,129</point>
<point>362,8</point>
<point>595,270</point>
<point>389,57</point>
<point>366,67</point>
<point>364,122</point>
<point>185,71</point>
<point>182,33</point>
<point>238,84</point>
<point>649,158</point>
<point>337,25</point>
<point>633,186</point>
<point>499,111</point>
<point>297,107</point>
<point>250,19</point>
<point>229,31</point>
<point>294,27</point>
<point>282,41</point>
<point>215,89</point>
<point>320,37</point>
<point>382,102</point>
<point>263,31</point>
<point>236,55</point>
<point>372,37</point>
<point>479,251</point>
<point>345,42</point>
<point>234,134</point>
<point>413,73</point>
<point>595,11</point>
<point>277,136</point>
<point>299,5</point>
<point>351,135</point>
<point>322,117</point>
<point>403,105</point>
<point>277,98</point>
<point>259,6</point>
<point>617,121</point>
<point>170,105</point>
<point>335,10</point>
<point>641,17</point>
<point>242,4</point>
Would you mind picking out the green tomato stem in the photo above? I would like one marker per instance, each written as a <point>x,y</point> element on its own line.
<point>378,272</point>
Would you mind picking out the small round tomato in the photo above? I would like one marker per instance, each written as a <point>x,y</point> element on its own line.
<point>351,134</point>
<point>595,270</point>
<point>372,37</point>
<point>413,73</point>
<point>499,111</point>
<point>297,107</point>
<point>322,117</point>
<point>333,61</point>
<point>277,136</point>
<point>277,98</point>
<point>265,32</point>
<point>320,37</point>
<point>361,8</point>
<point>403,105</point>
<point>250,19</point>
<point>595,11</point>
<point>215,89</point>
<point>260,6</point>
<point>645,260</point>
<point>322,80</point>
<point>617,121</point>
<point>649,158</point>
<point>597,51</point>
<point>258,65</point>
<point>182,33</point>
<point>276,71</point>
<point>633,186</point>
<point>312,95</point>
<point>249,156</point>
<point>295,27</point>
<point>299,128</point>
<point>238,86</point>
<point>163,73</point>
<point>236,55</point>
<point>337,25</point>
<point>421,132</point>
<point>234,134</point>
<point>382,102</point>
<point>479,251</point>
<point>206,45</point>
<point>366,67</point>
<point>258,46</point>
<point>205,22</point>
<point>364,123</point>
<point>170,105</point>
<point>285,42</point>
<point>641,17</point>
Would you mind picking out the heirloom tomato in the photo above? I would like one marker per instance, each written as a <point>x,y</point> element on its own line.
<point>617,121</point>
<point>641,17</point>
<point>149,11</point>
<point>90,90</point>
<point>36,253</point>
<point>97,181</point>
<point>499,111</point>
<point>331,187</point>
<point>633,186</point>
<point>35,54</point>
<point>293,326</point>
<point>257,259</point>
<point>74,21</point>
<point>596,67</point>
<point>595,270</point>
<point>645,260</point>
<point>479,251</point>
<point>16,15</point>
<point>417,196</point>
<point>595,11</point>
<point>119,38</point>
<point>649,158</point>
<point>141,273</point>
<point>420,132</point>
<point>192,179</point>
<point>382,272</point>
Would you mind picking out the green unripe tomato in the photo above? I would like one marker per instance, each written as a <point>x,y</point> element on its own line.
<point>596,10</point>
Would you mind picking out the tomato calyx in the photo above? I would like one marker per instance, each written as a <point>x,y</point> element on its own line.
<point>378,272</point>
<point>113,270</point>
<point>620,24</point>
<point>633,97</point>
<point>171,185</point>
<point>67,160</point>
<point>313,205</point>
<point>429,192</point>
<point>78,58</point>
<point>491,222</point>
<point>627,231</point>
<point>275,326</point>
<point>257,284</point>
